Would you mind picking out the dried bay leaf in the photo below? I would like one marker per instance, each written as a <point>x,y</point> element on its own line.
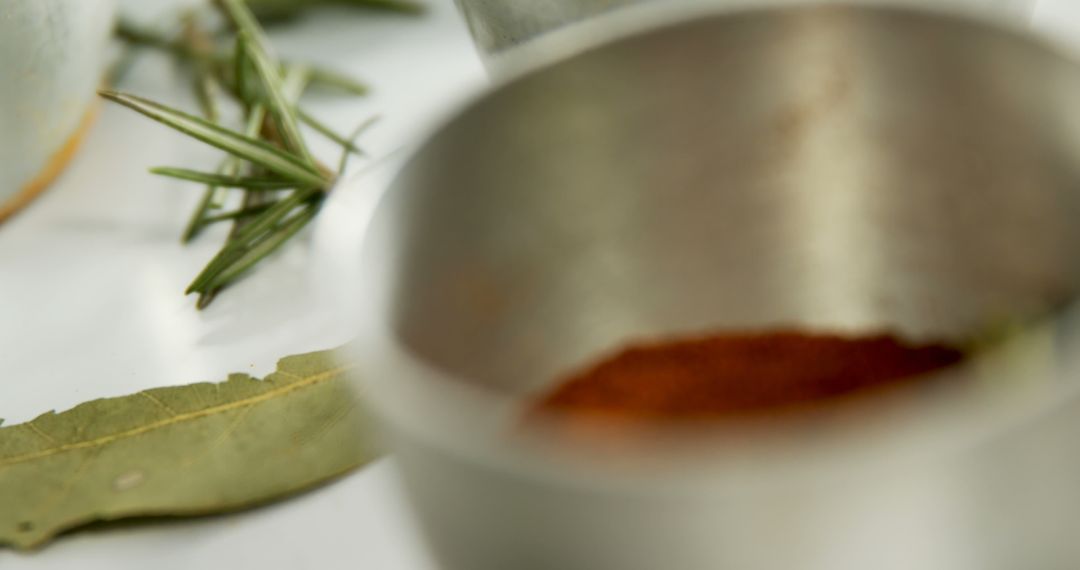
<point>186,450</point>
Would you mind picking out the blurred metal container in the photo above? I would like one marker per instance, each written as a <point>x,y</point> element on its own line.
<point>837,168</point>
<point>498,25</point>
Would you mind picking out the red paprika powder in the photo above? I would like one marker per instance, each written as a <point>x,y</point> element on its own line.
<point>734,374</point>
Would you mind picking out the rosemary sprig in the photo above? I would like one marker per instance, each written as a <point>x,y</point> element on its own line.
<point>356,132</point>
<point>256,122</point>
<point>237,214</point>
<point>210,201</point>
<point>223,62</point>
<point>284,10</point>
<point>224,181</point>
<point>346,143</point>
<point>277,160</point>
<point>257,50</point>
<point>282,185</point>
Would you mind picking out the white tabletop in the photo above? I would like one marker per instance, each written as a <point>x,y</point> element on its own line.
<point>92,276</point>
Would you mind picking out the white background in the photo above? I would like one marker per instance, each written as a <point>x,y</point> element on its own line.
<point>91,306</point>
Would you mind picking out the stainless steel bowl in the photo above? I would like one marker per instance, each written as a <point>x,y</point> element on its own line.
<point>833,168</point>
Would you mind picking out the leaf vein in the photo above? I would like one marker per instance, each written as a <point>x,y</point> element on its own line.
<point>32,426</point>
<point>238,404</point>
<point>157,401</point>
<point>326,425</point>
<point>221,437</point>
<point>290,374</point>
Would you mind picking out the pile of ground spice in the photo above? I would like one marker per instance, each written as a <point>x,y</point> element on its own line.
<point>734,374</point>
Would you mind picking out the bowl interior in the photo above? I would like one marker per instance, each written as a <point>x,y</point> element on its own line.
<point>838,168</point>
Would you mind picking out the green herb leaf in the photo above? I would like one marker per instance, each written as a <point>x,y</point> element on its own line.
<point>240,70</point>
<point>245,239</point>
<point>328,78</point>
<point>403,6</point>
<point>204,91</point>
<point>296,81</point>
<point>273,215</point>
<point>237,214</point>
<point>186,450</point>
<point>196,221</point>
<point>269,71</point>
<point>136,36</point>
<point>367,123</point>
<point>204,94</point>
<point>274,11</point>
<point>228,167</point>
<point>265,247</point>
<point>345,142</point>
<point>249,183</point>
<point>250,149</point>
